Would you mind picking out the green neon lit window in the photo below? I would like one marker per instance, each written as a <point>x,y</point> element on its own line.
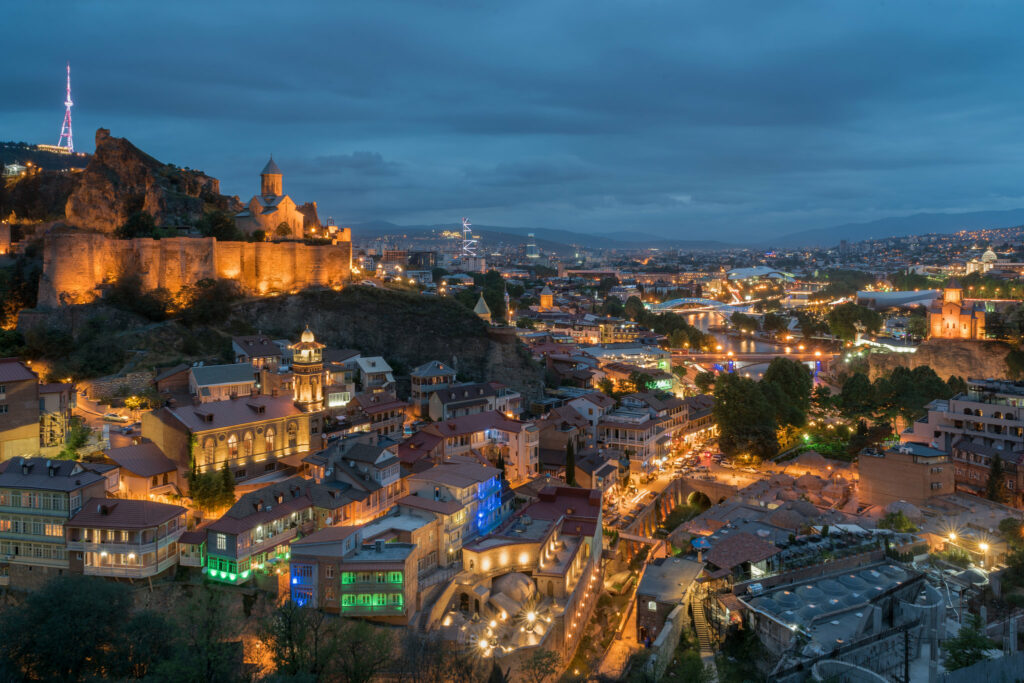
<point>394,577</point>
<point>378,599</point>
<point>365,599</point>
<point>348,600</point>
<point>348,577</point>
<point>396,599</point>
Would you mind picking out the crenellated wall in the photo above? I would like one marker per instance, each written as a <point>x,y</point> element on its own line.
<point>77,264</point>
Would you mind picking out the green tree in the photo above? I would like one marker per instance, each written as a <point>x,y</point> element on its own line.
<point>634,308</point>
<point>570,463</point>
<point>67,630</point>
<point>897,521</point>
<point>917,326</point>
<point>613,307</point>
<point>1012,531</point>
<point>206,636</point>
<point>301,641</point>
<point>283,230</point>
<point>365,651</point>
<point>773,323</point>
<point>139,224</point>
<point>704,381</point>
<point>746,418</point>
<point>956,385</point>
<point>995,487</point>
<point>641,381</point>
<point>843,320</point>
<point>744,323</point>
<point>969,646</point>
<point>1015,364</point>
<point>540,665</point>
<point>144,646</point>
<point>226,490</point>
<point>794,382</point>
<point>220,225</point>
<point>606,386</point>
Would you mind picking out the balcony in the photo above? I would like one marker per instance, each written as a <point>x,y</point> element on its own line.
<point>373,610</point>
<point>371,586</point>
<point>129,571</point>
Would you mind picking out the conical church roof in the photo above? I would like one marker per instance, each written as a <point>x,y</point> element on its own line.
<point>271,168</point>
<point>481,307</point>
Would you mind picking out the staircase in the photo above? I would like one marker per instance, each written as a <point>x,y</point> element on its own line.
<point>700,625</point>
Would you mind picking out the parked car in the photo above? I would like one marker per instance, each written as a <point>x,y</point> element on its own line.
<point>114,417</point>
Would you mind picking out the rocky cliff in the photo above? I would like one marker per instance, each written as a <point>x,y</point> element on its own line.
<point>985,359</point>
<point>121,180</point>
<point>407,329</point>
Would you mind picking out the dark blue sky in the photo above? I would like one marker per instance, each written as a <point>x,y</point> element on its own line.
<point>693,119</point>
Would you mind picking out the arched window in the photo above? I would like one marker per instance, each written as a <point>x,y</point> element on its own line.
<point>233,446</point>
<point>293,435</point>
<point>247,441</point>
<point>269,441</point>
<point>208,446</point>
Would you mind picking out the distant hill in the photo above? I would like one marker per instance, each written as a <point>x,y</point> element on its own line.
<point>560,241</point>
<point>901,226</point>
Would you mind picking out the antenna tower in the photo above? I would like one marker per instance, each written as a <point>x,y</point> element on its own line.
<point>65,131</point>
<point>468,241</point>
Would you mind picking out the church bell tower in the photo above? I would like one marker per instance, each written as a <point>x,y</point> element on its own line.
<point>308,373</point>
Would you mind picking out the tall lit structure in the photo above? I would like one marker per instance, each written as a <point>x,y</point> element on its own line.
<point>308,373</point>
<point>532,252</point>
<point>468,241</point>
<point>65,131</point>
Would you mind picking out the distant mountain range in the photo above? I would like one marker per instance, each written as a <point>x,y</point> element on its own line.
<point>562,241</point>
<point>559,241</point>
<point>901,226</point>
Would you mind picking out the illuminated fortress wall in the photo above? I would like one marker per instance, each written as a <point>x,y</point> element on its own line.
<point>77,264</point>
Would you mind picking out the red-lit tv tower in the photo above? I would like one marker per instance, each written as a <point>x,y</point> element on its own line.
<point>65,131</point>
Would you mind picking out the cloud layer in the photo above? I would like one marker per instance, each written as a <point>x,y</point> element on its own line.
<point>734,119</point>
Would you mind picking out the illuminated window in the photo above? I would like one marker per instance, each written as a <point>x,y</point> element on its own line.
<point>222,542</point>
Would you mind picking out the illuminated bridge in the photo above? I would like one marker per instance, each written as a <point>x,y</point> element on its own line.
<point>696,304</point>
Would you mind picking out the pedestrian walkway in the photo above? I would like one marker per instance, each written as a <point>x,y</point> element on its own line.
<point>703,631</point>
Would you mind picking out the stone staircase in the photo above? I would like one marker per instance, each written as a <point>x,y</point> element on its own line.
<point>700,625</point>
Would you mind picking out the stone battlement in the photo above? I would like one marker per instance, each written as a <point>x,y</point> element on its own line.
<point>77,264</point>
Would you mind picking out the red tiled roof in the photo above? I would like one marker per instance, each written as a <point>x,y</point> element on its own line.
<point>737,548</point>
<point>238,411</point>
<point>56,387</point>
<point>144,459</point>
<point>13,370</point>
<point>469,424</point>
<point>108,513</point>
<point>444,507</point>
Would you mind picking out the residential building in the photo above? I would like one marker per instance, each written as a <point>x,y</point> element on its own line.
<point>208,383</point>
<point>910,472</point>
<point>19,410</point>
<point>173,380</point>
<point>375,374</point>
<point>146,473</point>
<point>37,498</point>
<point>666,584</point>
<point>599,469</point>
<point>383,413</point>
<point>496,437</point>
<point>425,380</point>
<point>250,435</point>
<point>56,401</point>
<point>592,405</point>
<point>258,350</point>
<point>700,423</point>
<point>365,470</point>
<point>477,490</point>
<point>135,539</point>
<point>255,532</point>
<point>635,433</point>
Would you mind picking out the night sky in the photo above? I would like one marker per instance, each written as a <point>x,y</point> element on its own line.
<point>693,119</point>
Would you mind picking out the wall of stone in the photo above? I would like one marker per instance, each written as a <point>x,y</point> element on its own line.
<point>104,389</point>
<point>77,264</point>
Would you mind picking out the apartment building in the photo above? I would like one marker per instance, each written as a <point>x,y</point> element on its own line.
<point>208,383</point>
<point>254,534</point>
<point>496,437</point>
<point>475,488</point>
<point>37,498</point>
<point>135,539</point>
<point>32,415</point>
<point>364,470</point>
<point>910,472</point>
<point>634,432</point>
<point>383,413</point>
<point>257,350</point>
<point>425,380</point>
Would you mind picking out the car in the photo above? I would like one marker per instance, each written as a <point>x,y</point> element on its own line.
<point>114,417</point>
<point>749,470</point>
<point>726,465</point>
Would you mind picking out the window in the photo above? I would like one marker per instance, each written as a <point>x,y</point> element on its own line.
<point>3,408</point>
<point>652,606</point>
<point>329,571</point>
<point>233,446</point>
<point>304,570</point>
<point>222,542</point>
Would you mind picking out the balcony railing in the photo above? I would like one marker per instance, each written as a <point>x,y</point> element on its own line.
<point>130,571</point>
<point>396,610</point>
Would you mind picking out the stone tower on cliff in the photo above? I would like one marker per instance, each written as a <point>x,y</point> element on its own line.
<point>308,373</point>
<point>271,181</point>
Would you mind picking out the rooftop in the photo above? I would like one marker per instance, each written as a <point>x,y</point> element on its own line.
<point>46,475</point>
<point>144,459</point>
<point>216,375</point>
<point>106,513</point>
<point>668,578</point>
<point>238,411</point>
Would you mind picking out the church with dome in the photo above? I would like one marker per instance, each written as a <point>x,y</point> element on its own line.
<point>275,213</point>
<point>953,317</point>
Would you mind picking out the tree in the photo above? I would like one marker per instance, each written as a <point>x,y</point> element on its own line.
<point>821,398</point>
<point>917,326</point>
<point>969,646</point>
<point>220,225</point>
<point>365,651</point>
<point>205,642</point>
<point>606,386</point>
<point>773,323</point>
<point>570,463</point>
<point>956,385</point>
<point>897,521</point>
<point>540,665</point>
<point>301,641</point>
<point>144,646</point>
<point>794,383</point>
<point>227,486</point>
<point>1012,531</point>
<point>139,224</point>
<point>1015,364</point>
<point>995,487</point>
<point>641,381</point>
<point>704,381</point>
<point>843,320</point>
<point>746,419</point>
<point>283,230</point>
<point>744,323</point>
<point>66,630</point>
<point>634,308</point>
